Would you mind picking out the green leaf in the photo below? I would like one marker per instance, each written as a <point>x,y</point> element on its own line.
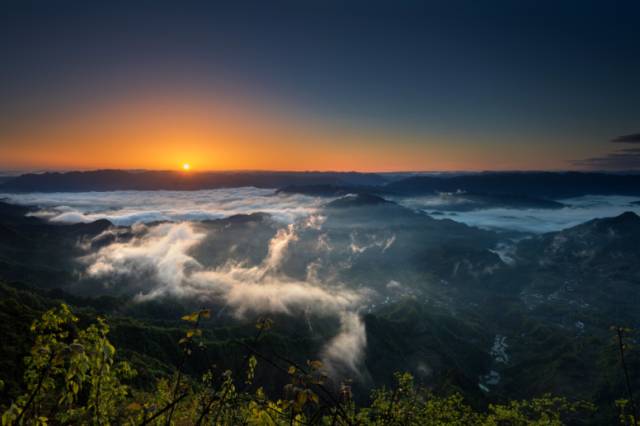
<point>194,332</point>
<point>192,317</point>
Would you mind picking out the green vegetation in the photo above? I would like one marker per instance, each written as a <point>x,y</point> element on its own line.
<point>72,376</point>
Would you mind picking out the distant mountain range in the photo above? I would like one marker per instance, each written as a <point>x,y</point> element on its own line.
<point>535,184</point>
<point>550,185</point>
<point>116,180</point>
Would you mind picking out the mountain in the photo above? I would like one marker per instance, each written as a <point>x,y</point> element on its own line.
<point>327,190</point>
<point>535,184</point>
<point>364,230</point>
<point>440,201</point>
<point>493,315</point>
<point>591,269</point>
<point>35,251</point>
<point>598,242</point>
<point>541,185</point>
<point>356,200</point>
<point>460,201</point>
<point>114,180</point>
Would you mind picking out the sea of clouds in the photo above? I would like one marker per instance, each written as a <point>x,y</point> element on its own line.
<point>578,210</point>
<point>165,230</point>
<point>129,207</point>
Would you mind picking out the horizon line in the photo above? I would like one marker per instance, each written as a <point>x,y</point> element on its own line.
<point>16,173</point>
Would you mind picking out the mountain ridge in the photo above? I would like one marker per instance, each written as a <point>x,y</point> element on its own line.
<point>552,185</point>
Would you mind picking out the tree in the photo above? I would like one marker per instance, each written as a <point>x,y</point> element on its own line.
<point>72,378</point>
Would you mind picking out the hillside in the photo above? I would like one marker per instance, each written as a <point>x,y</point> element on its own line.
<point>74,366</point>
<point>492,316</point>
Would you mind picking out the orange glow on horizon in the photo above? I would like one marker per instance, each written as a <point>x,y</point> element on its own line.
<point>230,134</point>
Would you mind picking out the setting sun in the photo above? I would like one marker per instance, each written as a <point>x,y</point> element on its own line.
<point>186,167</point>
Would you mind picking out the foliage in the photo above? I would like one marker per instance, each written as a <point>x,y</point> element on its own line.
<point>72,377</point>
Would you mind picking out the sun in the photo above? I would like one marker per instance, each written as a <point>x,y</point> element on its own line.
<point>186,167</point>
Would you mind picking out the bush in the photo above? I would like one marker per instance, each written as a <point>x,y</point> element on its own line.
<point>72,378</point>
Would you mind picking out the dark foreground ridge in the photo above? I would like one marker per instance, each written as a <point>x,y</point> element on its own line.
<point>94,386</point>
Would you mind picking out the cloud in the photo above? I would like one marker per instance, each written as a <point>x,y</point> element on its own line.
<point>129,207</point>
<point>577,210</point>
<point>108,236</point>
<point>67,217</point>
<point>249,291</point>
<point>361,243</point>
<point>393,285</point>
<point>164,251</point>
<point>632,138</point>
<point>278,246</point>
<point>347,348</point>
<point>623,159</point>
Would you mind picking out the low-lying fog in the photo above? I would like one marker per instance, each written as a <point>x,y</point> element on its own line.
<point>304,259</point>
<point>535,220</point>
<point>129,207</point>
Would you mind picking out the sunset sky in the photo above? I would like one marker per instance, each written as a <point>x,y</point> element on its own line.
<point>320,85</point>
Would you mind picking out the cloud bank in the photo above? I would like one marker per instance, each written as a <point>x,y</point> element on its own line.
<point>632,138</point>
<point>164,252</point>
<point>578,210</point>
<point>622,159</point>
<point>129,207</point>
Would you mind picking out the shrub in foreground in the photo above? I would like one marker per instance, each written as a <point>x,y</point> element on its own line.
<point>72,378</point>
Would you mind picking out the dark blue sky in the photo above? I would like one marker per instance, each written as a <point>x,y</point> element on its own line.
<point>558,78</point>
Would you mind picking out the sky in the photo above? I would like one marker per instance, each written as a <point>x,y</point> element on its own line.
<point>320,85</point>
